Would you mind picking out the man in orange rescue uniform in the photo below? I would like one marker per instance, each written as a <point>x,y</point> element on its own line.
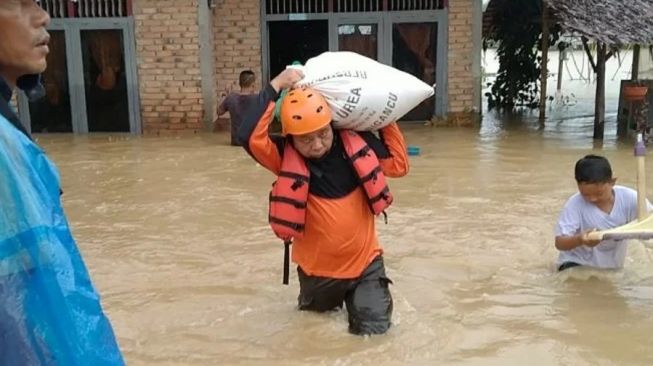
<point>330,186</point>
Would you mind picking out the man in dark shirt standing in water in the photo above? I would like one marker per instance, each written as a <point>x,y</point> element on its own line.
<point>238,103</point>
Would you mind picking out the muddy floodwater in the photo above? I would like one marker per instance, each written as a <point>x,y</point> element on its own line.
<point>174,231</point>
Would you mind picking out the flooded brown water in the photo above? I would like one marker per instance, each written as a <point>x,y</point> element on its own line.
<point>175,235</point>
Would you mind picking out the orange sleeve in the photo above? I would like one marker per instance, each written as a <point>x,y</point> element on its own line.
<point>261,146</point>
<point>254,134</point>
<point>396,165</point>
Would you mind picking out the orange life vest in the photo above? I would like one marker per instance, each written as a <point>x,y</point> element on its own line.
<point>289,195</point>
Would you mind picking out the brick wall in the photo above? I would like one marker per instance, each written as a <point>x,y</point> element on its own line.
<point>461,49</point>
<point>168,62</point>
<point>167,42</point>
<point>237,38</point>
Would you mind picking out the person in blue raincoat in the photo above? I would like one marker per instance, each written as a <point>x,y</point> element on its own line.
<point>50,314</point>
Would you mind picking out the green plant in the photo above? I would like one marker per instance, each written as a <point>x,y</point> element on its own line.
<point>520,65</point>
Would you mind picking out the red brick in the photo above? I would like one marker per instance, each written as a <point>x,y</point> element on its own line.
<point>167,41</point>
<point>460,55</point>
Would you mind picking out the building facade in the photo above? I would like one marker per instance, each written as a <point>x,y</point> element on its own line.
<point>160,66</point>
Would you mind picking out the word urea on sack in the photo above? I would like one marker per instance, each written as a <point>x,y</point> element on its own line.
<point>355,74</point>
<point>351,103</point>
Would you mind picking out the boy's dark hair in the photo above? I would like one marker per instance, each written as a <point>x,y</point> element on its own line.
<point>246,79</point>
<point>593,169</point>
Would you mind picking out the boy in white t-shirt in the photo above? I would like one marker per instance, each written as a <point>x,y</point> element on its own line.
<point>599,204</point>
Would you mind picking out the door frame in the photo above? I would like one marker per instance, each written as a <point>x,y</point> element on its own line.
<point>359,19</point>
<point>384,21</point>
<point>72,29</point>
<point>439,17</point>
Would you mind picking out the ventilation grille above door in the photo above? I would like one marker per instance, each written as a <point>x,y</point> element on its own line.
<point>404,5</point>
<point>352,6</point>
<point>56,8</point>
<point>296,6</point>
<point>87,8</point>
<point>274,7</point>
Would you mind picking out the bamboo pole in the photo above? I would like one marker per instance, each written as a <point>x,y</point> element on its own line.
<point>640,155</point>
<point>636,53</point>
<point>561,63</point>
<point>599,107</point>
<point>545,60</point>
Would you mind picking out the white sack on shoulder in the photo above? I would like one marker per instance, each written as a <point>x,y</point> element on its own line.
<point>363,94</point>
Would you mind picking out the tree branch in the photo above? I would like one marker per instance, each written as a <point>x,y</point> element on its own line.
<point>589,53</point>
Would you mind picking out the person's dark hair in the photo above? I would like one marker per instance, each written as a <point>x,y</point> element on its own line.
<point>246,79</point>
<point>593,169</point>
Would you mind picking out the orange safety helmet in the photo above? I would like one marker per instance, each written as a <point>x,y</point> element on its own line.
<point>303,111</point>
